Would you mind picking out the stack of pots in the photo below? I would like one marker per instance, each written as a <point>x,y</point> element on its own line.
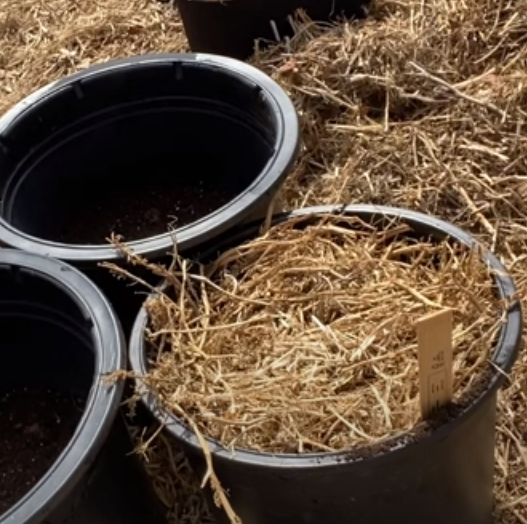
<point>111,145</point>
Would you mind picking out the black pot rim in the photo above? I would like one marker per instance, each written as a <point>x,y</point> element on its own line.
<point>103,402</point>
<point>277,168</point>
<point>507,348</point>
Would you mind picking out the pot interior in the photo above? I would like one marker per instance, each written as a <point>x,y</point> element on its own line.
<point>46,375</point>
<point>136,151</point>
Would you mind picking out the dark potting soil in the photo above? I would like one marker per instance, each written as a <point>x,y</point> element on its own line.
<point>137,215</point>
<point>35,426</point>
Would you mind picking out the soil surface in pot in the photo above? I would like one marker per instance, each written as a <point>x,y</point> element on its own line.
<point>140,214</point>
<point>35,426</point>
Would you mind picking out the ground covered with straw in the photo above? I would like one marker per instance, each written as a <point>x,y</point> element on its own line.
<point>422,106</point>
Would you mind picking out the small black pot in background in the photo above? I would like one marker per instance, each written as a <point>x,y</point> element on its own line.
<point>230,27</point>
<point>59,333</point>
<point>446,476</point>
<point>169,127</point>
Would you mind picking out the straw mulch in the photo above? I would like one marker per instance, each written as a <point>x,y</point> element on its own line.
<point>42,41</point>
<point>303,340</point>
<point>422,106</point>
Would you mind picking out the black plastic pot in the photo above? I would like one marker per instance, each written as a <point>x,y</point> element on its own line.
<point>445,477</point>
<point>80,147</point>
<point>59,333</point>
<point>230,27</point>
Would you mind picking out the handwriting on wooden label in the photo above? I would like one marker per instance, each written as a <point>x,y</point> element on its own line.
<point>434,335</point>
<point>438,360</point>
<point>437,389</point>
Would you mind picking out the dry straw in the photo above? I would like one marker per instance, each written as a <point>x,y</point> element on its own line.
<point>303,340</point>
<point>173,479</point>
<point>400,109</point>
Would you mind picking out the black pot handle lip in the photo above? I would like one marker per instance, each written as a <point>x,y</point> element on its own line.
<point>227,64</point>
<point>103,402</point>
<point>507,346</point>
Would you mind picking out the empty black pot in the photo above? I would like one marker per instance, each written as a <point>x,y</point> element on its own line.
<point>445,477</point>
<point>60,338</point>
<point>230,27</point>
<point>201,141</point>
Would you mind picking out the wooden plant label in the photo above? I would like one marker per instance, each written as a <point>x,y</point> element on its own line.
<point>434,338</point>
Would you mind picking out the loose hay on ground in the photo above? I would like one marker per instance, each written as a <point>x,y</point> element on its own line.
<point>304,340</point>
<point>172,477</point>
